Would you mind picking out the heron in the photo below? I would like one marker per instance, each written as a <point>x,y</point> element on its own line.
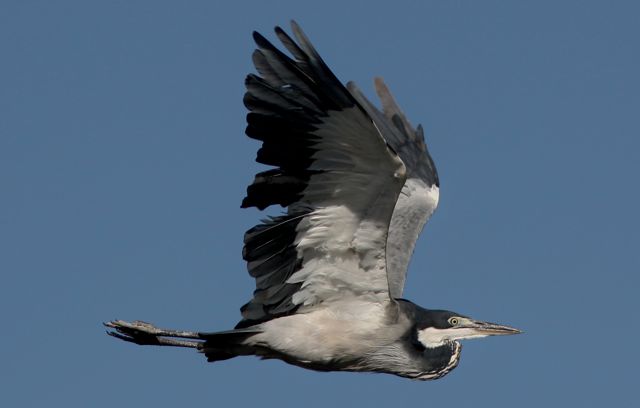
<point>357,185</point>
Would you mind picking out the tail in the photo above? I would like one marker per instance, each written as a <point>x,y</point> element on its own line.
<point>215,346</point>
<point>226,344</point>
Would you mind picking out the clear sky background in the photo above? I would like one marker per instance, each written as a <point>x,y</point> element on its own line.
<point>123,162</point>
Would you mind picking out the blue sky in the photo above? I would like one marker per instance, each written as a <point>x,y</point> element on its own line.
<point>123,163</point>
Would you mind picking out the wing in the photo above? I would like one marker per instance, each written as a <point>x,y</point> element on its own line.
<point>332,170</point>
<point>420,193</point>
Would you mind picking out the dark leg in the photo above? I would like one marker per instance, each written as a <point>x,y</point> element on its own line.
<point>147,334</point>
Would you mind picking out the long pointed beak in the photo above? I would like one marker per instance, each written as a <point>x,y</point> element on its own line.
<point>492,329</point>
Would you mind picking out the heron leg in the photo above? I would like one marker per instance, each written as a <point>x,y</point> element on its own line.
<point>144,333</point>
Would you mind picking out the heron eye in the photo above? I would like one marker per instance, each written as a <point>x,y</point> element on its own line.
<point>454,321</point>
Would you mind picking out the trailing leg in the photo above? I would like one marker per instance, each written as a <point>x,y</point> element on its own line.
<point>143,333</point>
<point>215,345</point>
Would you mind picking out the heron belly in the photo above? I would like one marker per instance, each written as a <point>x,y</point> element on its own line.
<point>342,331</point>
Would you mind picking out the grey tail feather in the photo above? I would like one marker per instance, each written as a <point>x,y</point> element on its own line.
<point>224,345</point>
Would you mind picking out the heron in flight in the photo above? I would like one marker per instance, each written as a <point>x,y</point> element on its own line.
<point>358,185</point>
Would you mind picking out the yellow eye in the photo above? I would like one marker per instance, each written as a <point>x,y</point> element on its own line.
<point>454,321</point>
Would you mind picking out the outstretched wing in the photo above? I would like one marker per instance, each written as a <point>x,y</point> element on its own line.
<point>332,170</point>
<point>420,193</point>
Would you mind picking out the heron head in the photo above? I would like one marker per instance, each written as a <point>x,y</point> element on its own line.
<point>438,327</point>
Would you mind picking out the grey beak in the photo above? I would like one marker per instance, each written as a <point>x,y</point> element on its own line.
<point>493,329</point>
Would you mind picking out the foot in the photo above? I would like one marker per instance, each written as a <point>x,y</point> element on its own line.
<point>135,332</point>
<point>145,334</point>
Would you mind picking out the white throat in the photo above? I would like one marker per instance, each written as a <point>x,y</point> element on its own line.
<point>432,337</point>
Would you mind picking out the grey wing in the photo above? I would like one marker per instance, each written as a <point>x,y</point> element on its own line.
<point>335,174</point>
<point>420,193</point>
